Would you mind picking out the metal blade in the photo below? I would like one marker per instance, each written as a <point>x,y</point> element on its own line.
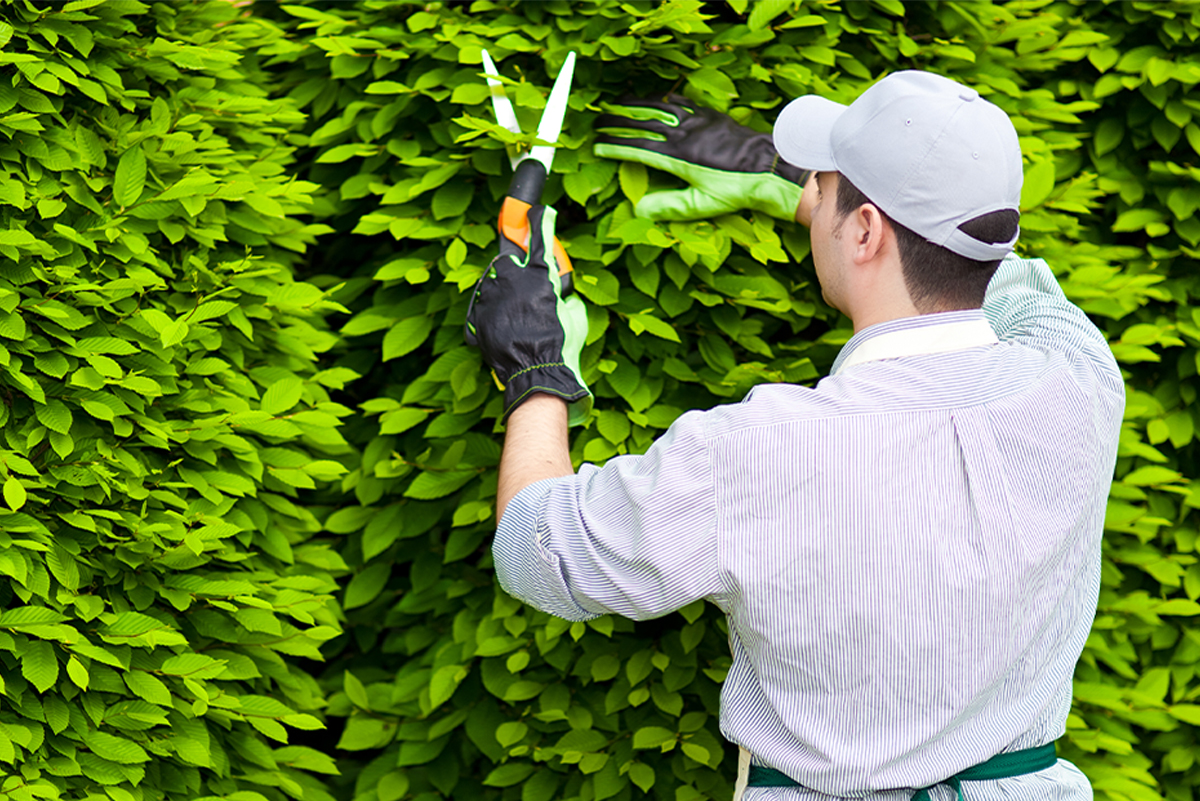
<point>505,116</point>
<point>556,109</point>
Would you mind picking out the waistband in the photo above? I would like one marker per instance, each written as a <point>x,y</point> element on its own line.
<point>1001,766</point>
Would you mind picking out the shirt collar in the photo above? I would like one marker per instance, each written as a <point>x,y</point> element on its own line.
<point>917,336</point>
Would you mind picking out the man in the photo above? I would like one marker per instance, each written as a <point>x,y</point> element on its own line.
<point>908,554</point>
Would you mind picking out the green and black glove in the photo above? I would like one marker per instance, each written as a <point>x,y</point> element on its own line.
<point>529,334</point>
<point>729,166</point>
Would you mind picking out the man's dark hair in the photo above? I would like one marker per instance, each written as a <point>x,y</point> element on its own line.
<point>938,279</point>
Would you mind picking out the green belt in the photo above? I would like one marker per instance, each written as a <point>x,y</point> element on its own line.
<point>1001,766</point>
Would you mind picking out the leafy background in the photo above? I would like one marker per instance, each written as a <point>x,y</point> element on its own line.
<point>249,466</point>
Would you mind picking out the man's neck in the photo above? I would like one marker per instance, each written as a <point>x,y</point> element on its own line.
<point>882,313</point>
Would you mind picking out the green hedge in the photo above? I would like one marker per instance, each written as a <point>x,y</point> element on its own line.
<point>689,315</point>
<point>354,145</point>
<point>161,406</point>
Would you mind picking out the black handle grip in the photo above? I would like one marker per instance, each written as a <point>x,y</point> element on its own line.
<point>528,181</point>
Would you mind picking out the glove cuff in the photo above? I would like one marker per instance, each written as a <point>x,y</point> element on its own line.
<point>555,378</point>
<point>789,172</point>
<point>782,199</point>
<point>776,196</point>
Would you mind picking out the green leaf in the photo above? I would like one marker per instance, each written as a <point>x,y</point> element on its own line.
<point>148,687</point>
<point>349,519</point>
<point>508,774</point>
<point>452,199</point>
<point>713,83</point>
<point>383,530</point>
<point>174,333</point>
<point>282,395</point>
<point>130,177</point>
<point>456,254</point>
<point>55,416</point>
<point>48,209</point>
<point>405,336</point>
<point>115,749</point>
<point>819,54</point>
<point>642,775</point>
<point>12,325</point>
<point>1109,134</point>
<point>23,616</point>
<point>1177,606</point>
<point>764,11</point>
<point>12,193</point>
<point>510,733</point>
<point>613,426</point>
<point>652,737</point>
<point>643,321</point>
<point>39,665</point>
<point>63,567</point>
<point>78,673</point>
<point>17,237</point>
<point>605,667</point>
<point>1137,219</point>
<point>304,758</point>
<point>634,180</point>
<point>430,485</point>
<point>355,690</point>
<point>211,310</point>
<point>598,285</point>
<point>696,751</point>
<point>14,493</point>
<point>193,666</point>
<point>1151,475</point>
<point>1039,182</point>
<point>341,153</point>
<point>444,682</point>
<point>1188,713</point>
<point>367,584</point>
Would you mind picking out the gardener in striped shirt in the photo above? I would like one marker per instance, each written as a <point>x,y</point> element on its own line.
<point>909,553</point>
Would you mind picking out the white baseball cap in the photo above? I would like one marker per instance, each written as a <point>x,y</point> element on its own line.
<point>930,152</point>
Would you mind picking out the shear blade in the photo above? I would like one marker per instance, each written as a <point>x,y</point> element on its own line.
<point>506,117</point>
<point>550,125</point>
<point>552,117</point>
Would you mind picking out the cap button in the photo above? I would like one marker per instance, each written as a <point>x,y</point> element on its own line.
<point>968,95</point>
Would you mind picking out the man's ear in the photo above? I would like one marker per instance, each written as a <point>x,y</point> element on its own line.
<point>870,231</point>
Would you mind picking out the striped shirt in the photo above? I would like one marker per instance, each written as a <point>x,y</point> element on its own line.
<point>908,554</point>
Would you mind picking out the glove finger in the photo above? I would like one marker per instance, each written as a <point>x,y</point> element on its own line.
<point>514,250</point>
<point>672,104</point>
<point>637,116</point>
<point>660,157</point>
<point>654,129</point>
<point>541,240</point>
<point>469,326</point>
<point>683,102</point>
<point>644,151</point>
<point>682,204</point>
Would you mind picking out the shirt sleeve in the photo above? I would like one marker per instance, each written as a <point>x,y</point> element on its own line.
<point>1024,303</point>
<point>637,537</point>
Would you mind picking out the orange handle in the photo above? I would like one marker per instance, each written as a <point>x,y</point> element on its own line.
<point>514,224</point>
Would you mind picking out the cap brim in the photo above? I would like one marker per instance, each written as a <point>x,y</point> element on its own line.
<point>802,132</point>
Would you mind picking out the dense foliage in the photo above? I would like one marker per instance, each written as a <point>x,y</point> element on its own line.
<point>687,315</point>
<point>161,406</point>
<point>174,392</point>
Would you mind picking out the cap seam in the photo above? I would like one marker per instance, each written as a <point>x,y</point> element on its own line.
<point>924,158</point>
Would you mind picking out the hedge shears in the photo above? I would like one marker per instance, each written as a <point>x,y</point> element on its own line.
<point>531,168</point>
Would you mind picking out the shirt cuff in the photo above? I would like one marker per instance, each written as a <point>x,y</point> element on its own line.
<point>527,570</point>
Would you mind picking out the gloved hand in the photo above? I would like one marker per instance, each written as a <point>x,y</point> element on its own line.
<point>729,166</point>
<point>529,334</point>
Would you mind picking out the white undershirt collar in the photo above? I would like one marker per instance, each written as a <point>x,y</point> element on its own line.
<point>917,336</point>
